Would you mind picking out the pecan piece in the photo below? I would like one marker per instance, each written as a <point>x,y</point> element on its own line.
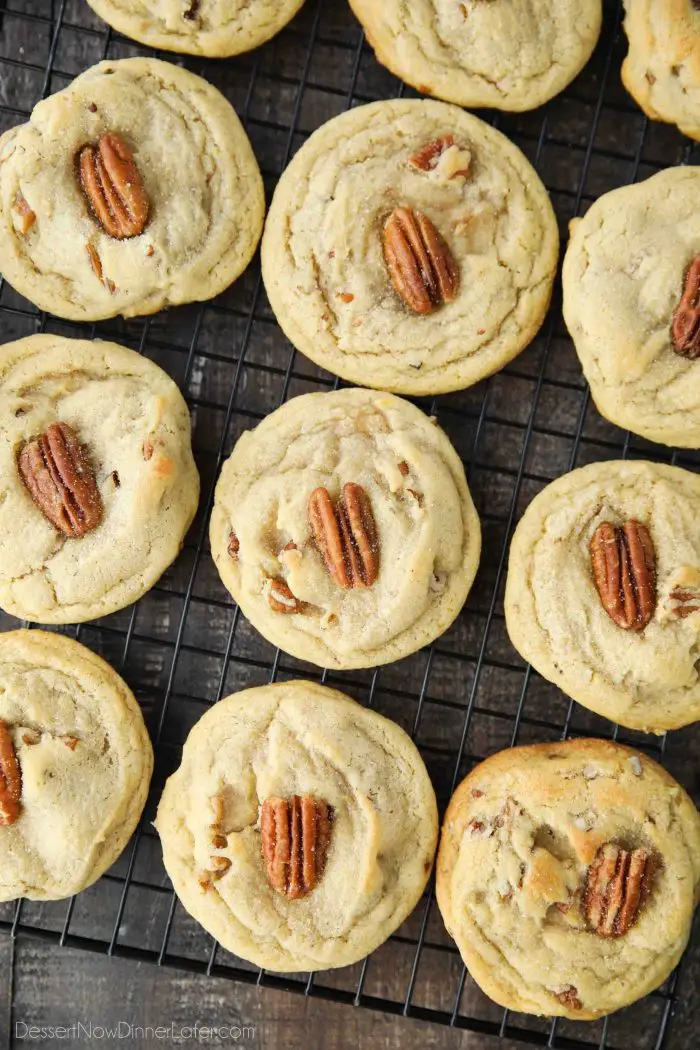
<point>426,155</point>
<point>234,546</point>
<point>96,264</point>
<point>624,570</point>
<point>295,835</point>
<point>346,535</point>
<point>685,329</point>
<point>429,157</point>
<point>685,603</point>
<point>218,866</point>
<point>569,998</point>
<point>281,600</point>
<point>616,885</point>
<point>421,267</point>
<point>61,481</point>
<point>10,778</point>
<point>114,188</point>
<point>218,807</point>
<point>26,217</point>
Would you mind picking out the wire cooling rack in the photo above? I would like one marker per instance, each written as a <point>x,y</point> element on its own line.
<point>184,645</point>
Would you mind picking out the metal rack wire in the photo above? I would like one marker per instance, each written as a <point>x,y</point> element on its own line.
<point>184,645</point>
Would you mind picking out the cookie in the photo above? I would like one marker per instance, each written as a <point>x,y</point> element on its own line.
<point>410,247</point>
<point>300,828</point>
<point>568,874</point>
<point>603,591</point>
<point>631,278</point>
<point>513,55</point>
<point>198,27</point>
<point>344,529</point>
<point>662,68</point>
<point>133,189</point>
<point>75,765</point>
<point>97,481</point>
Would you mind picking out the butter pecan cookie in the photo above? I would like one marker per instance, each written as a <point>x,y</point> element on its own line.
<point>410,247</point>
<point>632,304</point>
<point>300,829</point>
<point>568,874</point>
<point>603,591</point>
<point>97,481</point>
<point>133,189</point>
<point>344,529</point>
<point>662,68</point>
<point>217,28</point>
<point>509,54</point>
<point>75,765</point>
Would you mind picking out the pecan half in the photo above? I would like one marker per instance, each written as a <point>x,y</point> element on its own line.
<point>113,186</point>
<point>295,835</point>
<point>346,535</point>
<point>281,600</point>
<point>421,267</point>
<point>61,481</point>
<point>10,778</point>
<point>685,329</point>
<point>624,570</point>
<point>616,886</point>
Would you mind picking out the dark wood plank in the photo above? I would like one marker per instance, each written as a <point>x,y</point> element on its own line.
<point>7,956</point>
<point>59,986</point>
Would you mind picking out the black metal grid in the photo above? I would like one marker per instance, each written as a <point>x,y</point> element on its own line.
<point>184,645</point>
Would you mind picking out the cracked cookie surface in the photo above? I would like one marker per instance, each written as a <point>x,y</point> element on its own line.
<point>662,68</point>
<point>200,177</point>
<point>217,28</point>
<point>135,428</point>
<point>85,760</point>
<point>426,536</point>
<point>323,248</point>
<point>298,739</point>
<point>501,54</point>
<point>623,277</point>
<point>517,861</point>
<point>645,679</point>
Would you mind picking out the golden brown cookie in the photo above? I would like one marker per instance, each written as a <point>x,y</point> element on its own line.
<point>344,529</point>
<point>133,189</point>
<point>300,828</point>
<point>410,247</point>
<point>75,765</point>
<point>603,590</point>
<point>568,874</point>
<point>97,481</point>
